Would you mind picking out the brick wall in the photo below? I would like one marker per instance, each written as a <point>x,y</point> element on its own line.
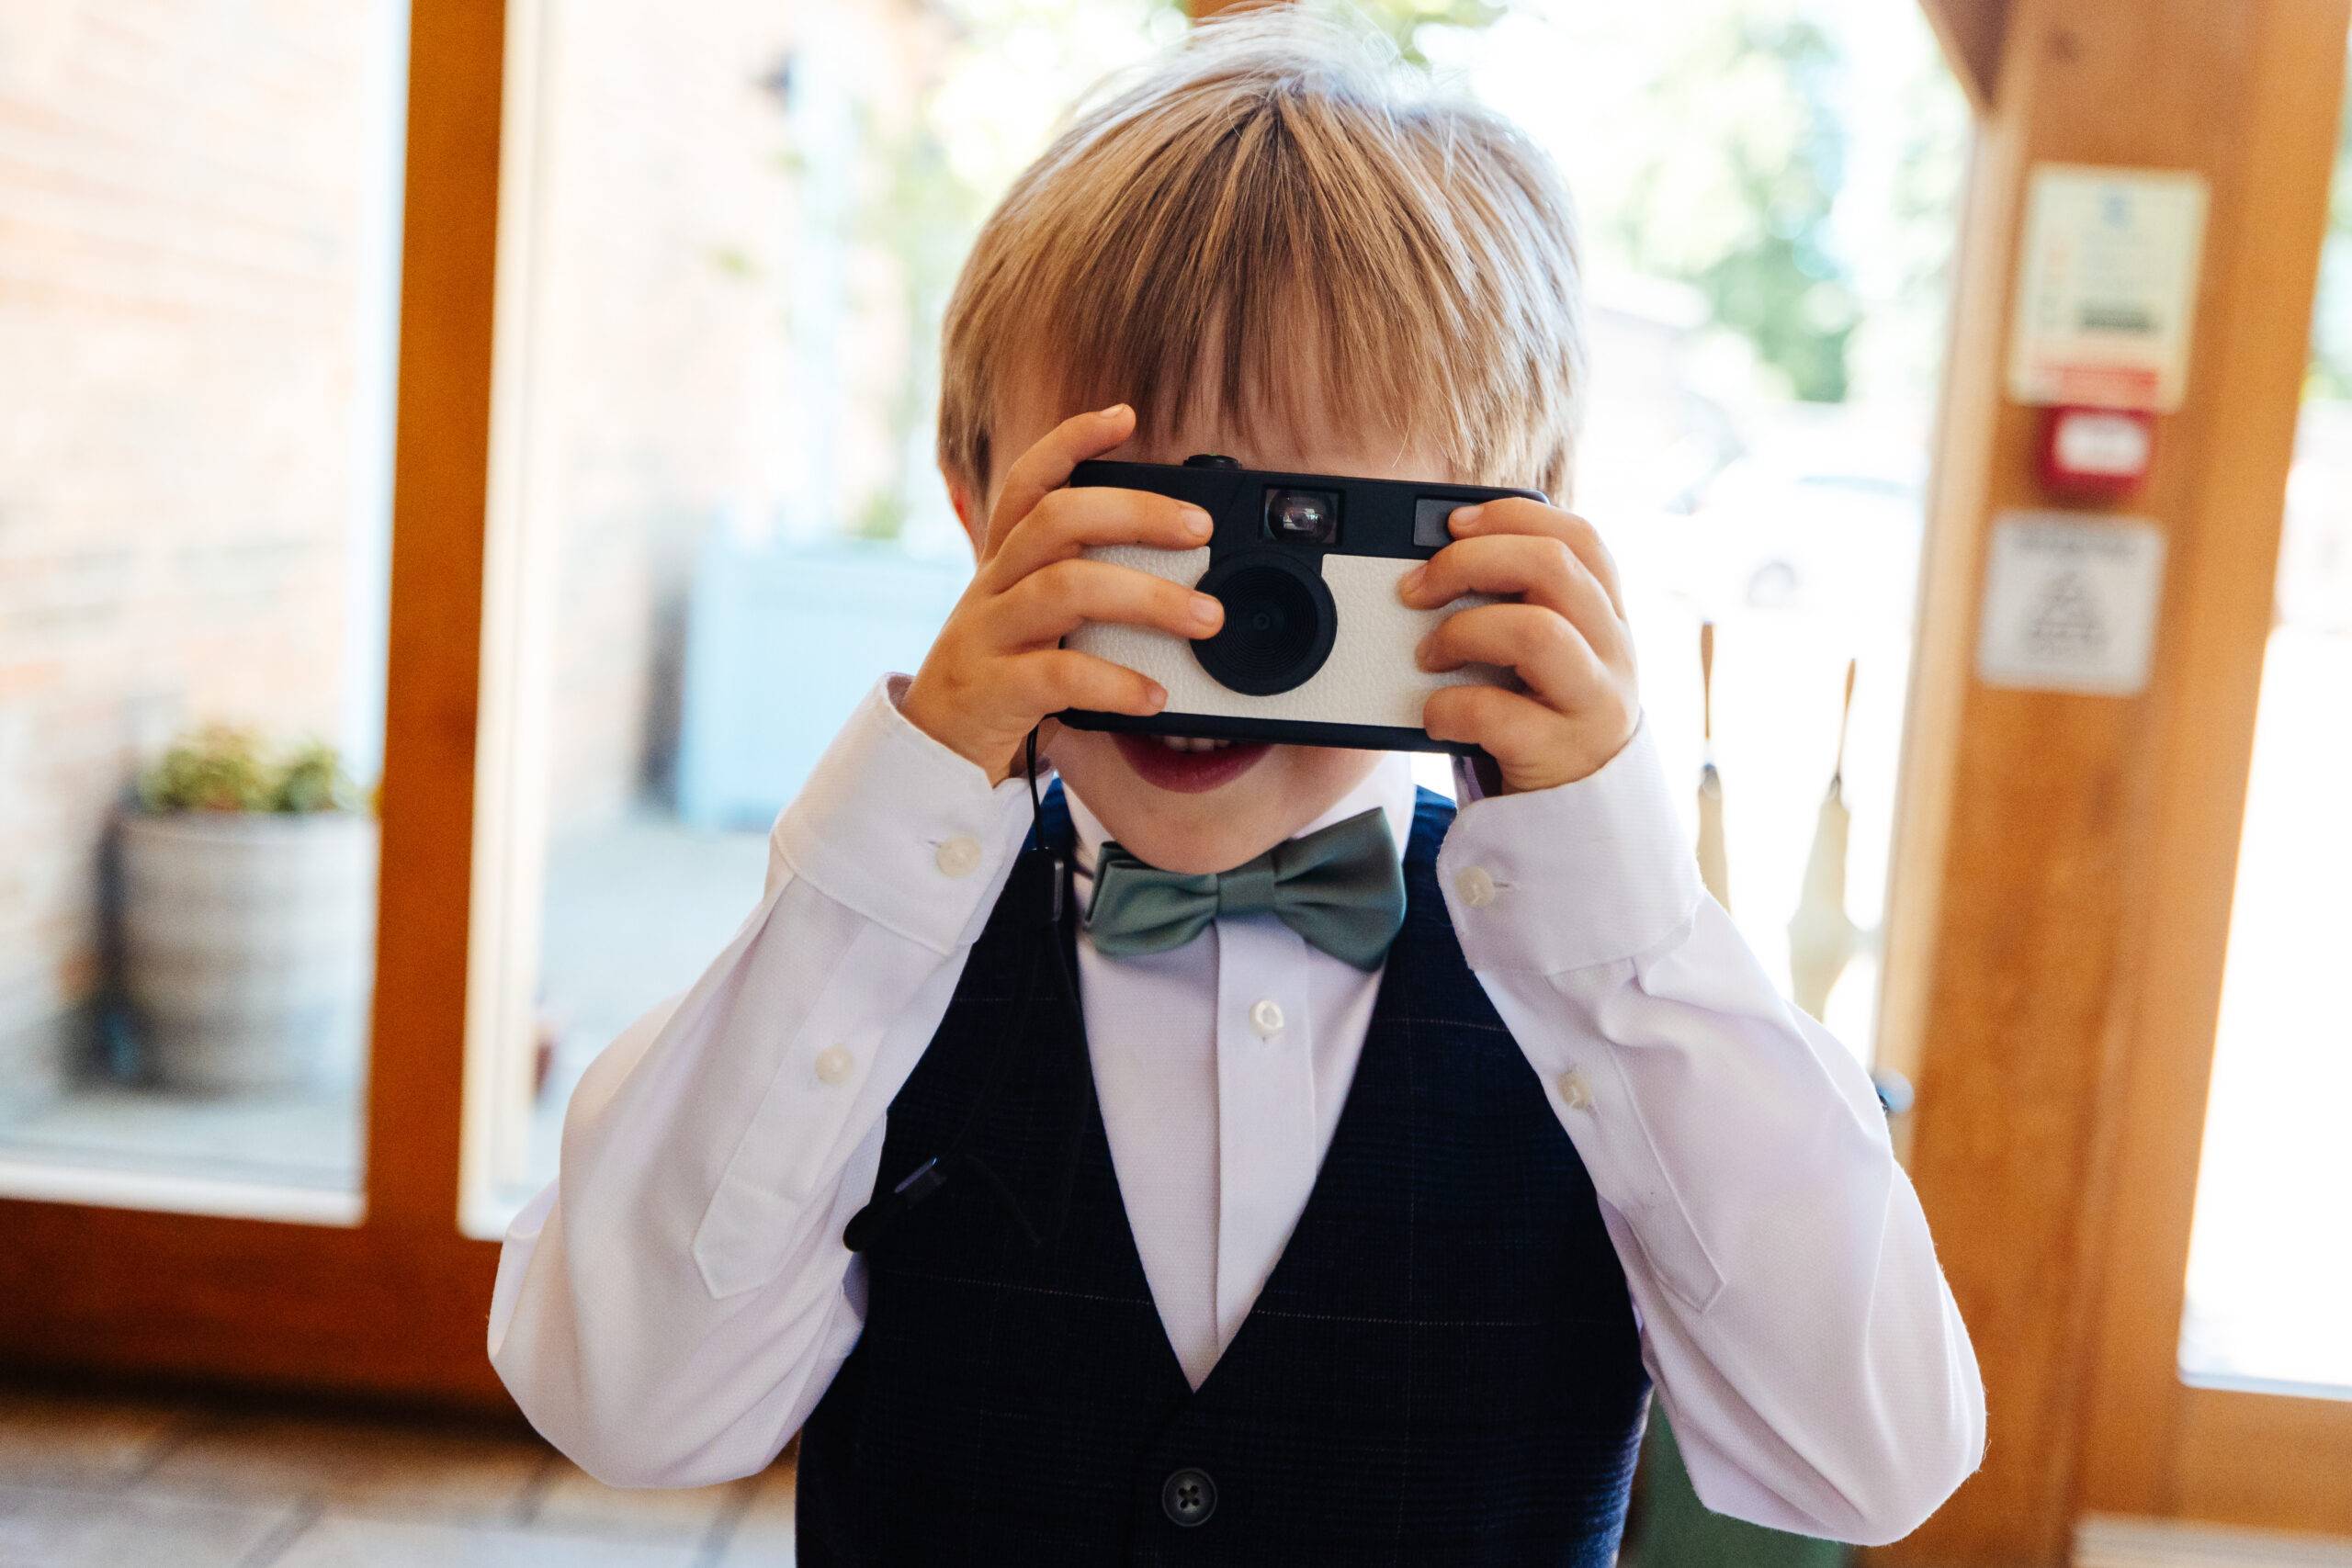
<point>180,183</point>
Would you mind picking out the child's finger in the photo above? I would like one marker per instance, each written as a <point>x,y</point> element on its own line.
<point>1052,679</point>
<point>1543,569</point>
<point>1055,600</point>
<point>1069,521</point>
<point>1045,467</point>
<point>1504,723</point>
<point>1516,515</point>
<point>1547,652</point>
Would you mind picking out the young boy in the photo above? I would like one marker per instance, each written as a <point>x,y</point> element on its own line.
<point>1315,1247</point>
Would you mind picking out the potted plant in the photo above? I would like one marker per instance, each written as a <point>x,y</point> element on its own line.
<point>249,910</point>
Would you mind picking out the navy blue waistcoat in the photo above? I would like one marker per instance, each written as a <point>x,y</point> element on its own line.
<point>1442,1368</point>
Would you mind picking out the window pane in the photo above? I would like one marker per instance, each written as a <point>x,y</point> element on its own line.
<point>2270,1255</point>
<point>744,218</point>
<point>198,251</point>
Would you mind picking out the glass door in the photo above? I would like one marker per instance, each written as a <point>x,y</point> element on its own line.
<point>2269,1292</point>
<point>2222,1380</point>
<point>200,247</point>
<point>727,239</point>
<point>246,260</point>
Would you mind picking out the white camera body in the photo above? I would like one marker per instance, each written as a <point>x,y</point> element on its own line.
<point>1316,648</point>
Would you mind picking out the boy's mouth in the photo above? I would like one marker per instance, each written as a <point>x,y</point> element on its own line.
<point>1189,764</point>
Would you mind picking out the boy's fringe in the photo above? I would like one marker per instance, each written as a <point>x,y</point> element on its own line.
<point>1279,221</point>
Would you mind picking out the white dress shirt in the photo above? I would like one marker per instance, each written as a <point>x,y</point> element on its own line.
<point>1219,1110</point>
<point>672,1307</point>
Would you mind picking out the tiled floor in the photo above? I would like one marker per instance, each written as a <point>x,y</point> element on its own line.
<point>103,1481</point>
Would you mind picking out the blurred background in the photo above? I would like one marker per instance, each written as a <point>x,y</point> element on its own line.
<point>724,236</point>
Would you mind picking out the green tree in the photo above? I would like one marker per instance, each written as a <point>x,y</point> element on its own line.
<point>1734,191</point>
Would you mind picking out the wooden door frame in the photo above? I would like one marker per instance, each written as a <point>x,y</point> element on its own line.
<point>396,1306</point>
<point>2065,865</point>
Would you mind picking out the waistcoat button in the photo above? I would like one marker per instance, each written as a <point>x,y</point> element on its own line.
<point>1188,1497</point>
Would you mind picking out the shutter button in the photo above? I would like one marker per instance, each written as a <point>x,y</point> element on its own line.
<point>1189,1499</point>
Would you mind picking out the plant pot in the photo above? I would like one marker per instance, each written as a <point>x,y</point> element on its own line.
<point>249,947</point>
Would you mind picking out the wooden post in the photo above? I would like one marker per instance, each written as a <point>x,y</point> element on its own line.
<point>2033,827</point>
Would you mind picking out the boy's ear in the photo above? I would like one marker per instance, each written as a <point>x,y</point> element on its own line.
<point>968,510</point>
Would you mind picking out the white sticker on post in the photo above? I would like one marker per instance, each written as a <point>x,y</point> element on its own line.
<point>2107,287</point>
<point>2071,603</point>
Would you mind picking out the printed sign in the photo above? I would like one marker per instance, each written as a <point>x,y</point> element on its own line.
<point>2107,287</point>
<point>2071,603</point>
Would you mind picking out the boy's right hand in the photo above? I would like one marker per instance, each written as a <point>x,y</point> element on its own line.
<point>997,667</point>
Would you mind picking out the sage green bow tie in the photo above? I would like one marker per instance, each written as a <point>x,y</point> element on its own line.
<point>1341,888</point>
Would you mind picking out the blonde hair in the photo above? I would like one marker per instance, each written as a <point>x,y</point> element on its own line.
<point>1275,196</point>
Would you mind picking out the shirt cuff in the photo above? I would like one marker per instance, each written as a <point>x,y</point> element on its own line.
<point>1566,878</point>
<point>902,830</point>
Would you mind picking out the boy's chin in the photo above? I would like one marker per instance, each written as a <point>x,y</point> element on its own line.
<point>1204,807</point>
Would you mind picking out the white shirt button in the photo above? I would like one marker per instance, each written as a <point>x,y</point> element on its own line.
<point>1574,1092</point>
<point>1266,1018</point>
<point>959,857</point>
<point>1475,886</point>
<point>834,1066</point>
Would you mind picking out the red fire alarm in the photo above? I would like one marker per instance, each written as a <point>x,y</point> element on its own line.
<point>2101,454</point>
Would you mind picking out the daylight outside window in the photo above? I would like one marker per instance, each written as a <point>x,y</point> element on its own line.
<point>729,234</point>
<point>2270,1256</point>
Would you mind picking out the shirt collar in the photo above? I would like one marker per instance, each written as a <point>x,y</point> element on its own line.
<point>1390,787</point>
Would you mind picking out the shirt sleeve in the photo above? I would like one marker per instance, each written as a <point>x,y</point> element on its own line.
<point>1794,1319</point>
<point>670,1310</point>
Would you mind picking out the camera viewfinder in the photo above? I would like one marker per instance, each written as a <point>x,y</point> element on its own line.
<point>1432,516</point>
<point>1303,516</point>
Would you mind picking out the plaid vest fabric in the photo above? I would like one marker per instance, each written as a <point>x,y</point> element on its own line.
<point>1443,1368</point>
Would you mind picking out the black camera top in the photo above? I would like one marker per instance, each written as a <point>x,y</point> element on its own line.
<point>1318,514</point>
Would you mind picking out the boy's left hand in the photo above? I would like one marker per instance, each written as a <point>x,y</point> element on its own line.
<point>1564,637</point>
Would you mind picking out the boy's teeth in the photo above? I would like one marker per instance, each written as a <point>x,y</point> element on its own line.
<point>1192,743</point>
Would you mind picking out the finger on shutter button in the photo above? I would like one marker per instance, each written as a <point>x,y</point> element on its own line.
<point>1474,886</point>
<point>959,857</point>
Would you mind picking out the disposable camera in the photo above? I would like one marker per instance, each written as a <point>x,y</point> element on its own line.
<point>1316,648</point>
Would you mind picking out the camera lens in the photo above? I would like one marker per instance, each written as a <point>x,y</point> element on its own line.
<point>1303,516</point>
<point>1280,622</point>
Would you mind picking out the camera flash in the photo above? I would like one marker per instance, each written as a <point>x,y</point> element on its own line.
<point>1303,516</point>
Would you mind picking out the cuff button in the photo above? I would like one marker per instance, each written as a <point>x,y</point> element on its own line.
<point>1475,886</point>
<point>833,1066</point>
<point>959,857</point>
